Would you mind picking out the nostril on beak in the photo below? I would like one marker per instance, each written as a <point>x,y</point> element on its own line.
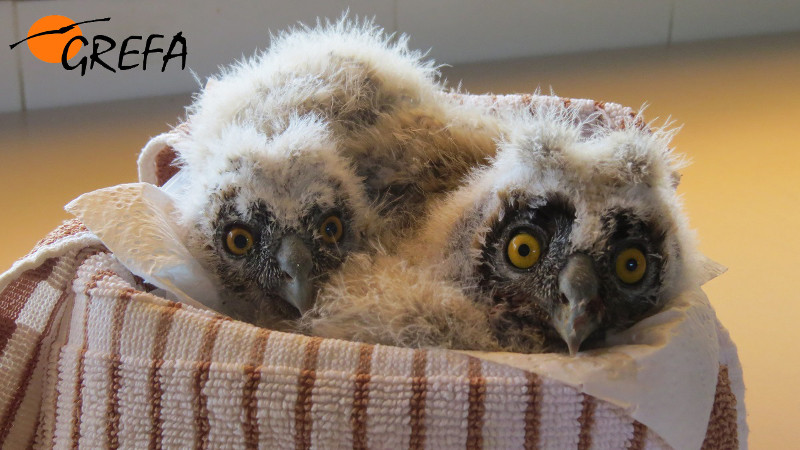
<point>286,277</point>
<point>564,300</point>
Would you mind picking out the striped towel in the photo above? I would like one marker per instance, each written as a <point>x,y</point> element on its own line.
<point>91,357</point>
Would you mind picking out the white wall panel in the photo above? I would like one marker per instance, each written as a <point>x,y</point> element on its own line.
<point>707,19</point>
<point>476,30</point>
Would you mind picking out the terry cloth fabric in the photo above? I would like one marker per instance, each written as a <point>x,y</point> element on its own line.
<point>91,356</point>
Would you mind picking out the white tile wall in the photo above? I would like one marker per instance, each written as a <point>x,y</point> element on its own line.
<point>9,80</point>
<point>474,30</point>
<point>457,31</point>
<point>706,19</point>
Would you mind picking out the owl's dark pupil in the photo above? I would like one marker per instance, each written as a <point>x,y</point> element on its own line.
<point>240,241</point>
<point>631,265</point>
<point>331,229</point>
<point>524,250</point>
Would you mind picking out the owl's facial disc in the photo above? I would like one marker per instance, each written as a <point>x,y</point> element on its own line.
<point>271,267</point>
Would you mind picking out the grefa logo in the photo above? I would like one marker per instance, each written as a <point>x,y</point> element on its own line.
<point>56,39</point>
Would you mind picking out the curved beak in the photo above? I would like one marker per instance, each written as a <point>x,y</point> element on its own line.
<point>578,317</point>
<point>294,259</point>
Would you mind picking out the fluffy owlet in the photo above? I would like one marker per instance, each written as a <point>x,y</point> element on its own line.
<point>572,231</point>
<point>265,180</point>
<point>271,215</point>
<point>407,139</point>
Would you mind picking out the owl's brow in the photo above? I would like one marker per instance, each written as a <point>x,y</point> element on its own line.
<point>625,223</point>
<point>316,212</point>
<point>543,208</point>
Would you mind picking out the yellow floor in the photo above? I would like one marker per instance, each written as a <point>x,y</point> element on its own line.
<point>739,102</point>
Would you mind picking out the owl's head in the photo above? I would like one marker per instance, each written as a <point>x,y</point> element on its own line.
<point>572,231</point>
<point>271,216</point>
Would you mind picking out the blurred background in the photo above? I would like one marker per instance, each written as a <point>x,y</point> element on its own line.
<point>728,72</point>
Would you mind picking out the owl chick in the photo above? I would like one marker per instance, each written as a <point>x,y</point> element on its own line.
<point>271,215</point>
<point>407,139</point>
<point>571,232</point>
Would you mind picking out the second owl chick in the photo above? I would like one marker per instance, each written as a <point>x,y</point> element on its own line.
<point>570,233</point>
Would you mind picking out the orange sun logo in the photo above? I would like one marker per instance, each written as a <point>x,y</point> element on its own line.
<point>50,46</point>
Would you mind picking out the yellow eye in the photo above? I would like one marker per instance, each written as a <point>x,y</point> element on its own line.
<point>331,229</point>
<point>523,250</point>
<point>239,240</point>
<point>631,265</point>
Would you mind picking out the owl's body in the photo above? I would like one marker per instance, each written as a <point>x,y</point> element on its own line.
<point>573,231</point>
<point>590,215</point>
<point>408,140</point>
<point>336,123</point>
<point>383,299</point>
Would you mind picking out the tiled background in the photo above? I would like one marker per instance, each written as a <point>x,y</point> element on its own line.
<point>456,31</point>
